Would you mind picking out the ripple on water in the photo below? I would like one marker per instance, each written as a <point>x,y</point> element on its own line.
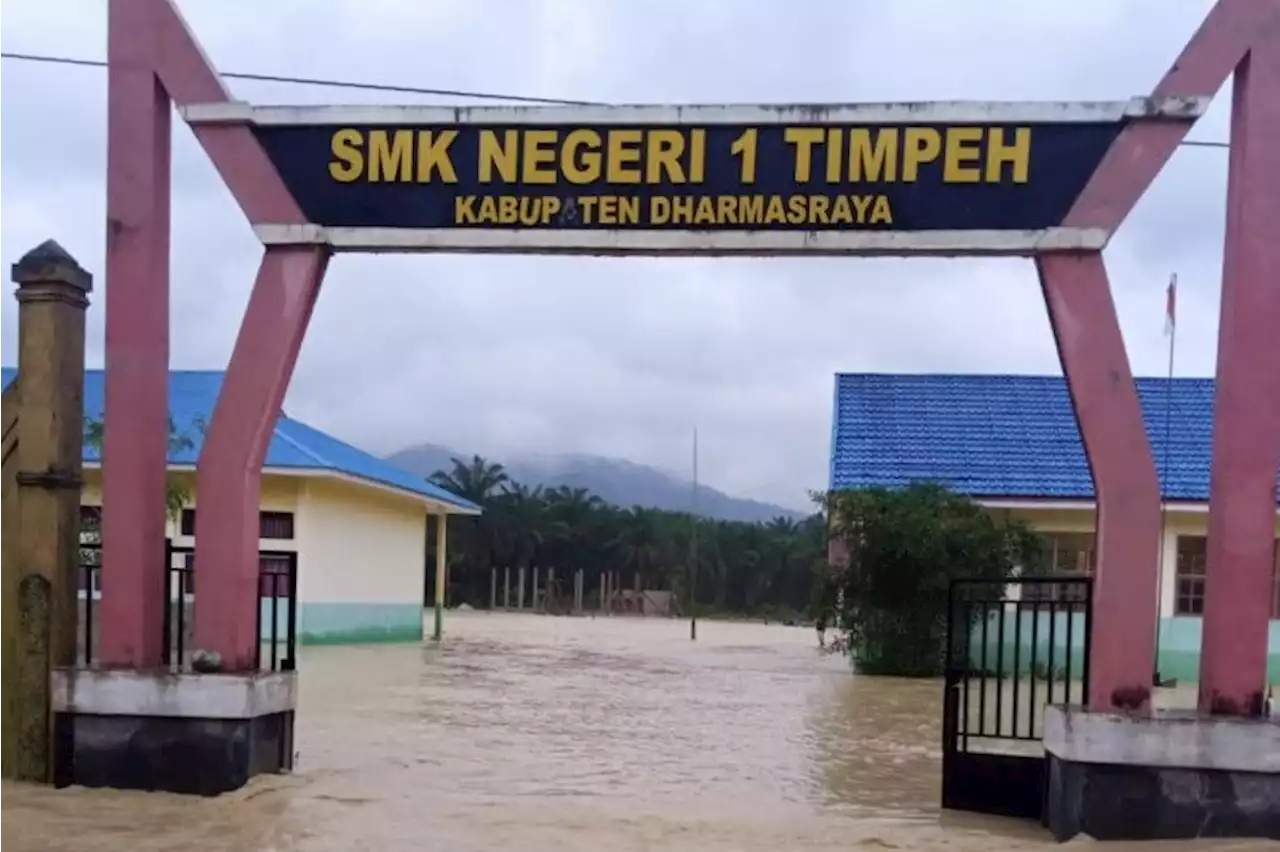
<point>562,734</point>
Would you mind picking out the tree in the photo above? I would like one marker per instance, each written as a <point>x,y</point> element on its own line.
<point>476,480</point>
<point>176,493</point>
<point>904,548</point>
<point>481,482</point>
<point>742,568</point>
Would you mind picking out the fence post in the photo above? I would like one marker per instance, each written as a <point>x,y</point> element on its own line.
<point>493,589</point>
<point>291,646</point>
<point>166,624</point>
<point>533,591</point>
<point>520,588</point>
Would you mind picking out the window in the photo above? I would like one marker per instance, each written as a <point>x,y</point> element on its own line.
<point>1192,553</point>
<point>1066,554</point>
<point>1192,558</point>
<point>277,525</point>
<point>90,524</point>
<point>1071,553</point>
<point>273,574</point>
<point>90,551</point>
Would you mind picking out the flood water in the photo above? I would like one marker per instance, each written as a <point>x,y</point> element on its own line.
<point>538,733</point>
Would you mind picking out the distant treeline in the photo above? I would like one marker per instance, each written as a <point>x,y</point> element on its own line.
<point>746,568</point>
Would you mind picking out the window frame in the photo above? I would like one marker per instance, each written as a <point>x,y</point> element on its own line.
<point>287,520</point>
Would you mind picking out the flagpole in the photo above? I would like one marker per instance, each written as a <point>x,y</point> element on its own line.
<point>1172,325</point>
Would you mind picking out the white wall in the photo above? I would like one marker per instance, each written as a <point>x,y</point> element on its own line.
<point>359,544</point>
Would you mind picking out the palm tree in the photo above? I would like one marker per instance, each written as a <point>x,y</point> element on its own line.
<point>742,567</point>
<point>519,516</point>
<point>642,540</point>
<point>573,515</point>
<point>476,480</point>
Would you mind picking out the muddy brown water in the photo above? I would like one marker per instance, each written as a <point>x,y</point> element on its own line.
<point>538,733</point>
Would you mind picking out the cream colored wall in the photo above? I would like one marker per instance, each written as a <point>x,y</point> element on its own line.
<point>1177,523</point>
<point>1056,520</point>
<point>279,494</point>
<point>355,543</point>
<point>359,544</point>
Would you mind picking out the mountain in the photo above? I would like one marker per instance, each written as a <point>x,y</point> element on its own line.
<point>616,481</point>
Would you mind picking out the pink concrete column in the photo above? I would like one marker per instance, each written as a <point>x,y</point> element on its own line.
<point>228,474</point>
<point>137,344</point>
<point>1106,403</point>
<point>1246,432</point>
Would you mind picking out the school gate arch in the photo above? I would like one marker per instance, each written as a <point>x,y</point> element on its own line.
<point>1047,181</point>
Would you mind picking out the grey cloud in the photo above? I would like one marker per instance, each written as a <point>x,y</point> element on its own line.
<point>625,357</point>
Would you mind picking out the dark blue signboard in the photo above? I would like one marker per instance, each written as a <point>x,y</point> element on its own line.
<point>717,177</point>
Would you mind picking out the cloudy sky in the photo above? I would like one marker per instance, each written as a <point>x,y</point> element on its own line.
<point>623,357</point>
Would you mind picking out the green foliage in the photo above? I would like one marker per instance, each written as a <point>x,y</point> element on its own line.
<point>743,568</point>
<point>905,546</point>
<point>176,495</point>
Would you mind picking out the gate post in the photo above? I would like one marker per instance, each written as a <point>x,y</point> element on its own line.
<point>1106,405</point>
<point>136,416</point>
<point>1246,430</point>
<point>229,469</point>
<point>52,298</point>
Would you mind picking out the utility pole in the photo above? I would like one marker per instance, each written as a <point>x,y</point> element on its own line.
<point>693,547</point>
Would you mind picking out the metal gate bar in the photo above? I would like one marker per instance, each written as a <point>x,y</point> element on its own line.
<point>989,764</point>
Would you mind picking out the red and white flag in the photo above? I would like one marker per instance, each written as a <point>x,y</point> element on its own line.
<point>1171,304</point>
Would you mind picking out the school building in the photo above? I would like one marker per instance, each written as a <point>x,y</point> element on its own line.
<point>1012,444</point>
<point>356,524</point>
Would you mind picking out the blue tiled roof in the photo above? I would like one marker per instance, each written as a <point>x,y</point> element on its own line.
<point>1004,436</point>
<point>192,394</point>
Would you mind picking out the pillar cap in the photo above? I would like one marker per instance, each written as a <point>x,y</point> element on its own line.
<point>49,263</point>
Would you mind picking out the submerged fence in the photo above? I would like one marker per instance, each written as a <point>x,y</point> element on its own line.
<point>277,607</point>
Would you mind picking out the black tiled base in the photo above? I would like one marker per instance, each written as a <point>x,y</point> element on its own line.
<point>1117,802</point>
<point>178,755</point>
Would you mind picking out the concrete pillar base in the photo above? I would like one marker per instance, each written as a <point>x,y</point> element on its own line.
<point>199,734</point>
<point>1172,775</point>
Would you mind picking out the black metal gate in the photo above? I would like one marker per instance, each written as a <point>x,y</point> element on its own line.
<point>1012,648</point>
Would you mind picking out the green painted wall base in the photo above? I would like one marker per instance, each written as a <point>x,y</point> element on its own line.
<point>1179,645</point>
<point>352,623</point>
<point>1180,649</point>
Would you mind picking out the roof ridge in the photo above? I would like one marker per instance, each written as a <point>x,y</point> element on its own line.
<point>298,445</point>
